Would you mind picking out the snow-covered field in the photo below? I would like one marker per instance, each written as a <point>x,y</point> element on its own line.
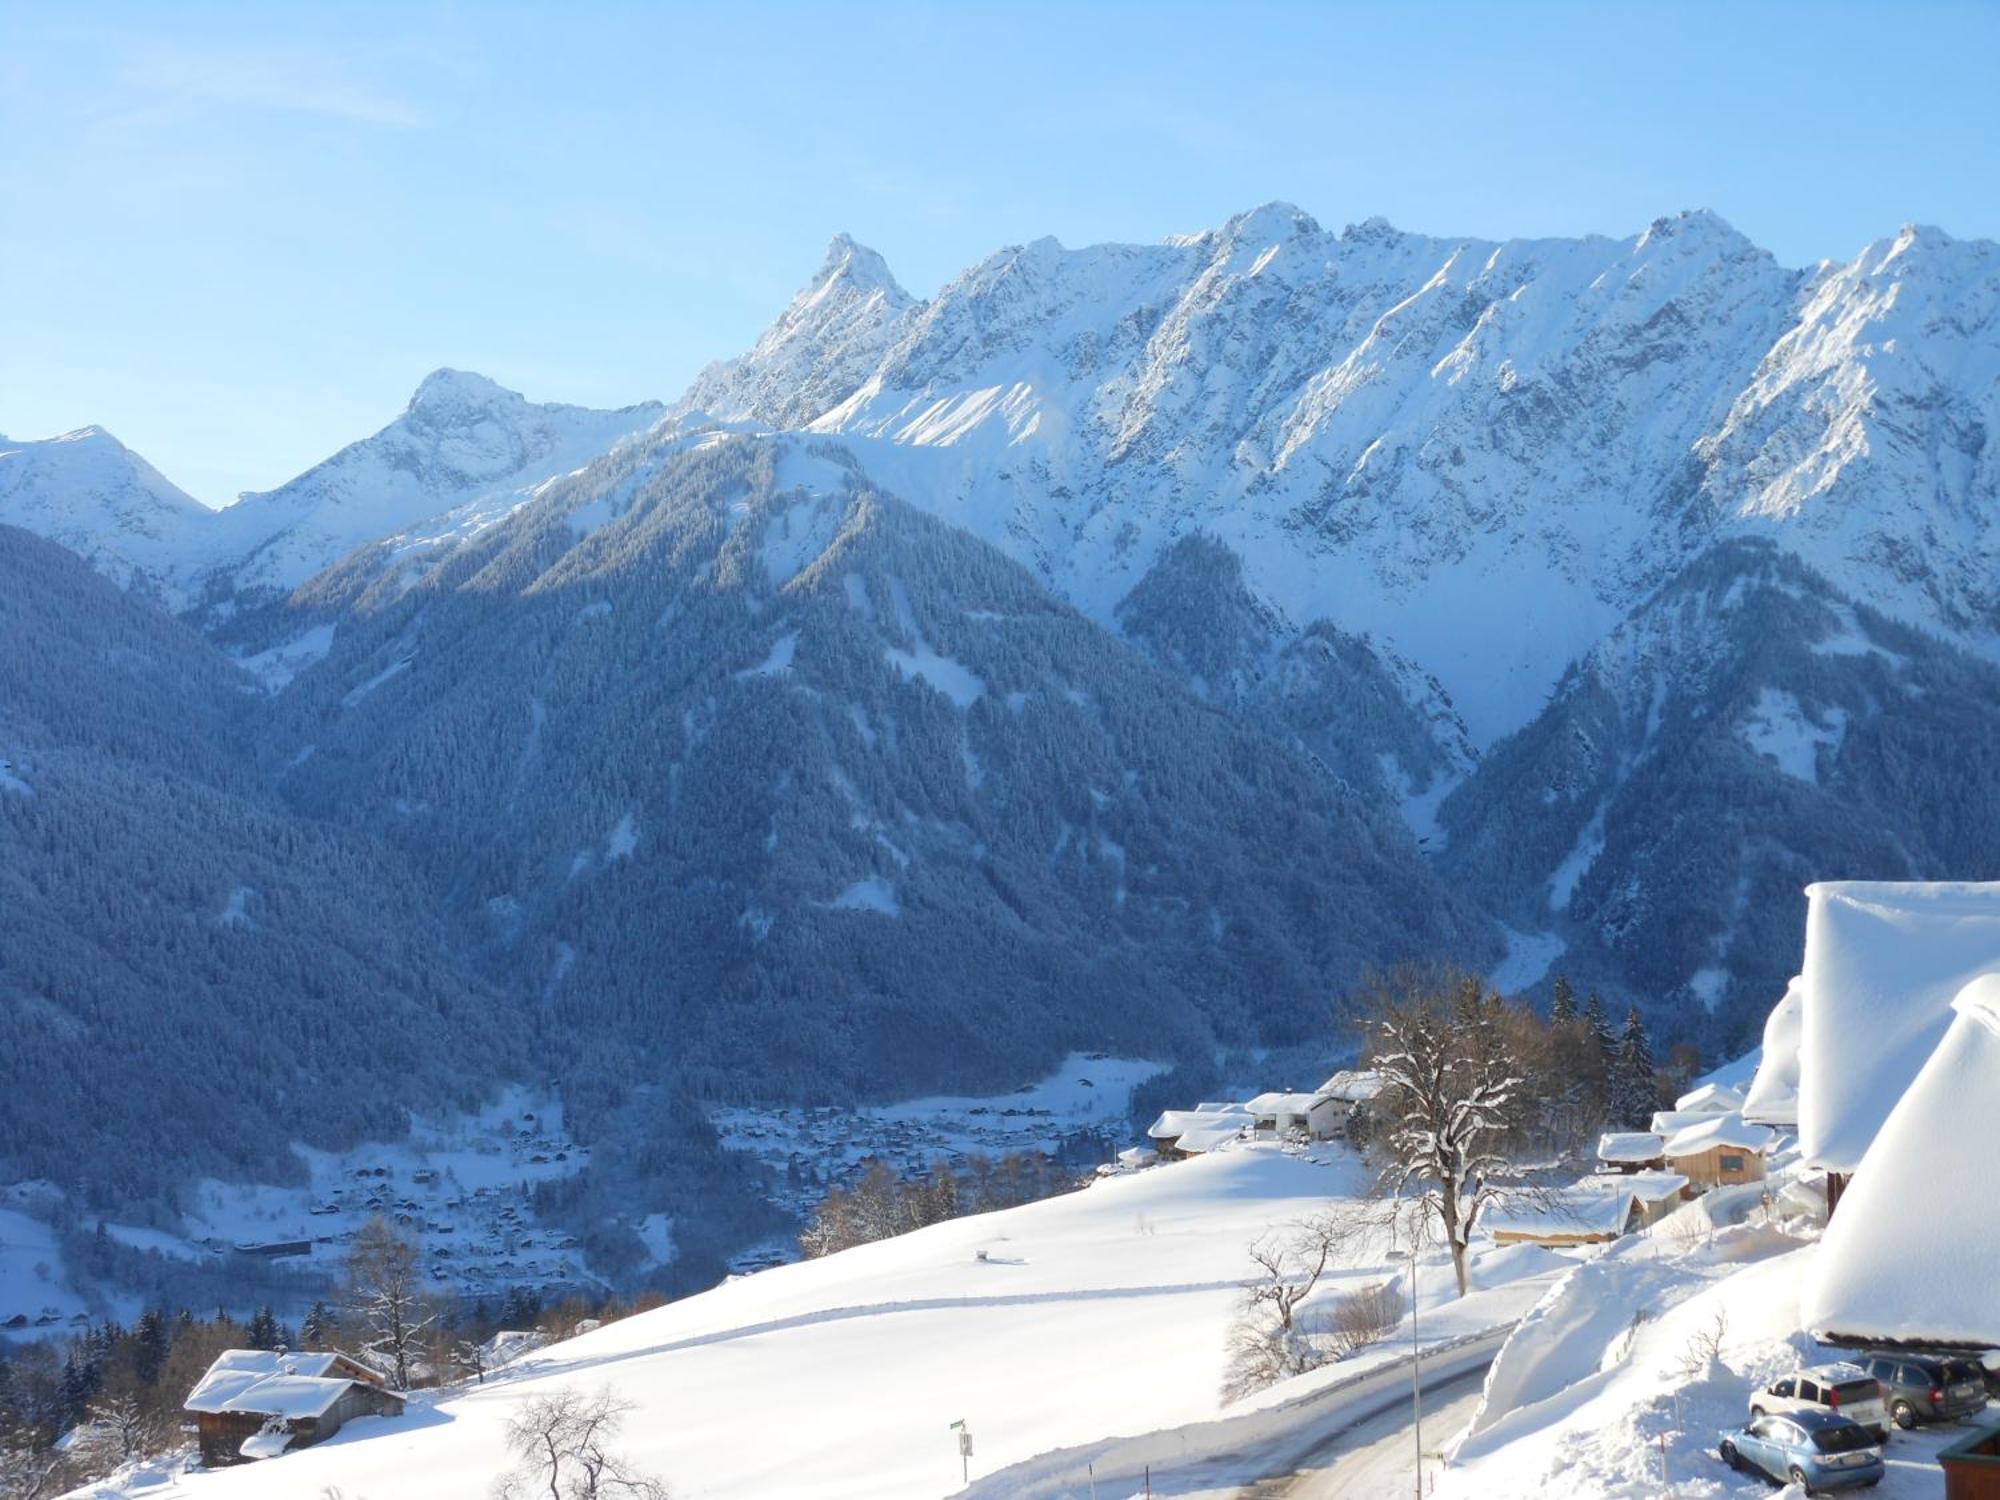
<point>1045,1327</point>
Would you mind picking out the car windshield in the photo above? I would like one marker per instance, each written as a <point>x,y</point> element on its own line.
<point>1961,1369</point>
<point>1842,1439</point>
<point>1856,1390</point>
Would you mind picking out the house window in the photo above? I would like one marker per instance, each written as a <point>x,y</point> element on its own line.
<point>1732,1163</point>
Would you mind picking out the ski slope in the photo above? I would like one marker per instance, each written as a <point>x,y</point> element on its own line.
<point>1067,1321</point>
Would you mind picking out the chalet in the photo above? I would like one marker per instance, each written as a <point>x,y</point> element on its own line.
<point>258,1403</point>
<point>1354,1086</point>
<point>1631,1151</point>
<point>1719,1152</point>
<point>1314,1116</point>
<point>1913,1255</point>
<point>1189,1132</point>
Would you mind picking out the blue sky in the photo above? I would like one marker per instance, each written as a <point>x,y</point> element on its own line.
<point>238,235</point>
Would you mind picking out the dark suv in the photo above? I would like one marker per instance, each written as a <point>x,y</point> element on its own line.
<point>1927,1388</point>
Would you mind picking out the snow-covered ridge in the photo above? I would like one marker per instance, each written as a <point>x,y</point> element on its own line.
<point>91,493</point>
<point>463,444</point>
<point>1485,453</point>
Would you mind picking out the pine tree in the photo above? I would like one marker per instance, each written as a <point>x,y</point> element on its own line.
<point>1634,1082</point>
<point>263,1332</point>
<point>1598,1020</point>
<point>1562,1008</point>
<point>152,1341</point>
<point>318,1328</point>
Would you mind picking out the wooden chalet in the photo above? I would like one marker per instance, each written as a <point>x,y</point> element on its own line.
<point>258,1403</point>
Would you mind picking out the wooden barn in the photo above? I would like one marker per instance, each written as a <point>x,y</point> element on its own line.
<point>258,1403</point>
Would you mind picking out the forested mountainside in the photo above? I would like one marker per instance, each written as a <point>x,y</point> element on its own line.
<point>1125,647</point>
<point>750,772</point>
<point>1749,729</point>
<point>184,958</point>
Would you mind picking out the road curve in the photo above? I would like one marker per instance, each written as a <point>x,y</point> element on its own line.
<point>1375,1459</point>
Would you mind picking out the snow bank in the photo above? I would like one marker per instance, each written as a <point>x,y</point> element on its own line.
<point>1774,1093</point>
<point>1882,964</point>
<point>1914,1250</point>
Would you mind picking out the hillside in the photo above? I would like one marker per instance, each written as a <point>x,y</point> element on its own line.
<point>186,958</point>
<point>1060,1323</point>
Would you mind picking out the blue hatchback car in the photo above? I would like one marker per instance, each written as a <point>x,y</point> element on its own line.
<point>1816,1450</point>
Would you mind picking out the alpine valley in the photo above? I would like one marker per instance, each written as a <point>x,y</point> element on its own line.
<point>1122,651</point>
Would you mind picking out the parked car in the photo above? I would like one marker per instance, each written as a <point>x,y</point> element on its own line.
<point>1927,1387</point>
<point>1988,1361</point>
<point>1846,1389</point>
<point>1815,1450</point>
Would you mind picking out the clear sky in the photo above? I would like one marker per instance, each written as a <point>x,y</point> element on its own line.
<point>238,235</point>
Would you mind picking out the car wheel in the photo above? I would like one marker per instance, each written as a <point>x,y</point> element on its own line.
<point>1731,1457</point>
<point>1798,1477</point>
<point>1756,1412</point>
<point>1905,1415</point>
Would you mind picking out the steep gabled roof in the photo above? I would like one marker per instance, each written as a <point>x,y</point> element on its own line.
<point>1913,1254</point>
<point>274,1382</point>
<point>1882,964</point>
<point>1630,1145</point>
<point>1720,1130</point>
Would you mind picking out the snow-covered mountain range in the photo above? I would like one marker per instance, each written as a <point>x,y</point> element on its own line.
<point>1301,600</point>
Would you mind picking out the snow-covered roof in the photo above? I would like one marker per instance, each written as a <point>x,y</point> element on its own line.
<point>1718,1130</point>
<point>1589,1208</point>
<point>238,1370</point>
<point>1218,1107</point>
<point>1212,1131</point>
<point>1651,1187</point>
<point>1353,1085</point>
<point>1913,1251</point>
<point>1175,1123</point>
<point>1715,1098</point>
<point>290,1396</point>
<point>1666,1122</point>
<point>1774,1093</point>
<point>1629,1145</point>
<point>1282,1104</point>
<point>1882,964</point>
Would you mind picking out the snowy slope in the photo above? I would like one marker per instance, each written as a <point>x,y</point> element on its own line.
<point>1097,1313</point>
<point>95,496</point>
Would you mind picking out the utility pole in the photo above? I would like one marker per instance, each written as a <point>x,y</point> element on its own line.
<point>1416,1368</point>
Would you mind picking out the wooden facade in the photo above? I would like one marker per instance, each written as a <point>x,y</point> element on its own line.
<point>1972,1466</point>
<point>1720,1166</point>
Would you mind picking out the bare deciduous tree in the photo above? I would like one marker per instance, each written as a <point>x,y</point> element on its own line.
<point>1361,1318</point>
<point>561,1442</point>
<point>385,1289</point>
<point>1268,1342</point>
<point>1451,1102</point>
